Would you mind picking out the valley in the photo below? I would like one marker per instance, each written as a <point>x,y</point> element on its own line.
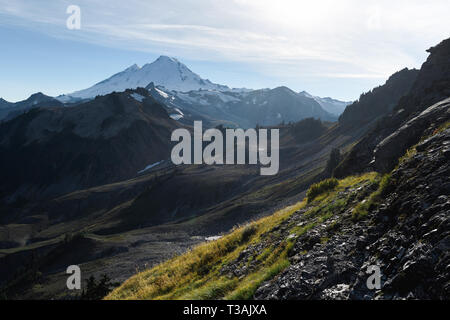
<point>90,182</point>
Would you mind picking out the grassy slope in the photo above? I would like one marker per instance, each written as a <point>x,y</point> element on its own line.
<point>202,272</point>
<point>199,274</point>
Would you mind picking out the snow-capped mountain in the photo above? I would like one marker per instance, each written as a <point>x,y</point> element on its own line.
<point>243,109</point>
<point>333,106</point>
<point>188,97</point>
<point>164,71</point>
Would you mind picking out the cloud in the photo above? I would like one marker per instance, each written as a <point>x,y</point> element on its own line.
<point>343,39</point>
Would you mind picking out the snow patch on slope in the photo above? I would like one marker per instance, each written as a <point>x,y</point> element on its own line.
<point>176,116</point>
<point>150,166</point>
<point>162,93</point>
<point>137,97</point>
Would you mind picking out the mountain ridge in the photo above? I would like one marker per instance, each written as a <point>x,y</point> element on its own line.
<point>130,128</point>
<point>171,76</point>
<point>331,105</point>
<point>9,110</point>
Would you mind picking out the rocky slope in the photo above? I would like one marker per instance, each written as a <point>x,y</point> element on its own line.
<point>406,235</point>
<point>392,147</point>
<point>379,101</point>
<point>322,247</point>
<point>430,87</point>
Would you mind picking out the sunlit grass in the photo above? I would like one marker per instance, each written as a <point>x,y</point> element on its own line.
<point>198,274</point>
<point>321,187</point>
<point>362,209</point>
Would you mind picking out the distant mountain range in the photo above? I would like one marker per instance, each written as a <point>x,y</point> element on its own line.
<point>240,108</point>
<point>188,97</point>
<point>192,97</point>
<point>333,106</point>
<point>9,110</point>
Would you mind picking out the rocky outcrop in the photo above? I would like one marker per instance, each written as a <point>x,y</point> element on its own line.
<point>407,237</point>
<point>431,86</point>
<point>394,146</point>
<point>433,82</point>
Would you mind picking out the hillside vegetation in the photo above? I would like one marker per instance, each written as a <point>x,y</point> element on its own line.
<point>322,247</point>
<point>234,266</point>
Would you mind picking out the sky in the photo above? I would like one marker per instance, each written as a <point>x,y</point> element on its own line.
<point>326,47</point>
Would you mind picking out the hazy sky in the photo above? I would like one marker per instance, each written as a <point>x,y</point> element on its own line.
<point>326,47</point>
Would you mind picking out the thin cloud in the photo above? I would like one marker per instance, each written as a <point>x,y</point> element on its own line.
<point>321,38</point>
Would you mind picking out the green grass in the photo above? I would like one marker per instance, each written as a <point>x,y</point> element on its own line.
<point>409,154</point>
<point>320,188</point>
<point>199,273</point>
<point>442,127</point>
<point>301,230</point>
<point>246,290</point>
<point>196,274</point>
<point>361,210</point>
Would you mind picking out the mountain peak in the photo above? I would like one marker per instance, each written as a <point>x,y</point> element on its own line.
<point>38,97</point>
<point>167,59</point>
<point>165,71</point>
<point>133,67</point>
<point>37,94</point>
<point>306,94</point>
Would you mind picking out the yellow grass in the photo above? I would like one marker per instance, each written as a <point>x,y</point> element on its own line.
<point>197,273</point>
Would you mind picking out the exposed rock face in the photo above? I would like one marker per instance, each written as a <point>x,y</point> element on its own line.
<point>407,237</point>
<point>431,86</point>
<point>394,146</point>
<point>433,82</point>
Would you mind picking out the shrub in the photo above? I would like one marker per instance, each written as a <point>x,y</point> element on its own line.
<point>385,185</point>
<point>321,187</point>
<point>98,290</point>
<point>248,232</point>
